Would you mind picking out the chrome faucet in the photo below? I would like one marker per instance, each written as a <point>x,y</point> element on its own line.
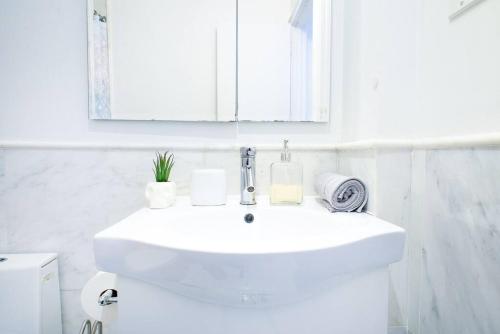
<point>247,175</point>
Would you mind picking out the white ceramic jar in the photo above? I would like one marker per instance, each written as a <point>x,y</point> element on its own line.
<point>208,187</point>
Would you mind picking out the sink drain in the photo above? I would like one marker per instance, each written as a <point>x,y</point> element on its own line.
<point>3,259</point>
<point>249,218</point>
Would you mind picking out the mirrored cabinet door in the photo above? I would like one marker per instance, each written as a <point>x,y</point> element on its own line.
<point>163,60</point>
<point>284,60</point>
<point>210,60</point>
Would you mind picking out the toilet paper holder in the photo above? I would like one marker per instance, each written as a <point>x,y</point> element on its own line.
<point>89,328</point>
<point>108,297</point>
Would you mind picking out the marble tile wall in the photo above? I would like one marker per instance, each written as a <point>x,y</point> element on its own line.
<point>388,176</point>
<point>56,200</point>
<point>417,220</point>
<point>449,202</point>
<point>393,201</point>
<point>3,224</point>
<point>460,276</point>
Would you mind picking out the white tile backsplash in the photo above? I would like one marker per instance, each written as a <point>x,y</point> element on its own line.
<point>2,163</point>
<point>55,200</point>
<point>3,218</point>
<point>447,200</point>
<point>393,198</point>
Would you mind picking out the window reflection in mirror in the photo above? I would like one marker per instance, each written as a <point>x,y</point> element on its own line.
<point>100,88</point>
<point>281,60</point>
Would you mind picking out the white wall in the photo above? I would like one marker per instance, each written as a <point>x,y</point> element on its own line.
<point>411,73</point>
<point>380,63</point>
<point>459,70</point>
<point>43,85</point>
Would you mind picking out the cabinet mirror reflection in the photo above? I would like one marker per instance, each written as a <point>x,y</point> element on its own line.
<point>210,60</point>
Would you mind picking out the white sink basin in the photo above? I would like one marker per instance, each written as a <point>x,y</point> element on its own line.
<point>212,254</point>
<point>294,270</point>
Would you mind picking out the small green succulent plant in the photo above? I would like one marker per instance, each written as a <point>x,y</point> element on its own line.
<point>163,166</point>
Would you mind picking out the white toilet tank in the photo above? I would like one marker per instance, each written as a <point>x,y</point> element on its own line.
<point>29,294</point>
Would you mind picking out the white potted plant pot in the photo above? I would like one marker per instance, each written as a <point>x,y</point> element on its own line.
<point>160,195</point>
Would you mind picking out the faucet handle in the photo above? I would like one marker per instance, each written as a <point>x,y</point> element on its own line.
<point>248,152</point>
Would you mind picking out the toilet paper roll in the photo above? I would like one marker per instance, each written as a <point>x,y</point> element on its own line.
<point>91,292</point>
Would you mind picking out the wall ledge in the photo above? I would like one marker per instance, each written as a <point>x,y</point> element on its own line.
<point>490,140</point>
<point>174,146</point>
<point>433,143</point>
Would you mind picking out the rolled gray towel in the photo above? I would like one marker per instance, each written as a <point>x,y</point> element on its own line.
<point>341,193</point>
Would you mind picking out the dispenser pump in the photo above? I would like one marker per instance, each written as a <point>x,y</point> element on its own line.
<point>285,153</point>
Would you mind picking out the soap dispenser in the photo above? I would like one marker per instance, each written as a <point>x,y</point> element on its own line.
<point>286,179</point>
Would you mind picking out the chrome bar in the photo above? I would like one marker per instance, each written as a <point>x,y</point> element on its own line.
<point>97,327</point>
<point>86,327</point>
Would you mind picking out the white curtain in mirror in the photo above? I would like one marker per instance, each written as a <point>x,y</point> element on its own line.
<point>101,85</point>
